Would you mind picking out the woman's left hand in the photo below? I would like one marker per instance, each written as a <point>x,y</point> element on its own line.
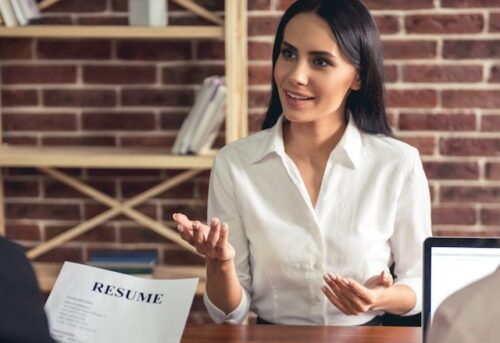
<point>353,298</point>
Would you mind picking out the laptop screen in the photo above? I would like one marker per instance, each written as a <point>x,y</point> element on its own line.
<point>453,263</point>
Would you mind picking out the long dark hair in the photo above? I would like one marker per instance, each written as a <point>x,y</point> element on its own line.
<point>359,42</point>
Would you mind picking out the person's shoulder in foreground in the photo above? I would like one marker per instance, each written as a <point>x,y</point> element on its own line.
<point>470,315</point>
<point>22,318</point>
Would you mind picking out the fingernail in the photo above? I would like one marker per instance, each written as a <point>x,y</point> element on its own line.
<point>213,221</point>
<point>174,215</point>
<point>179,228</point>
<point>332,276</point>
<point>345,281</point>
<point>326,278</point>
<point>195,225</point>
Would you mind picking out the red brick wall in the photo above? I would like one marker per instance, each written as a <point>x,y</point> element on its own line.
<point>443,93</point>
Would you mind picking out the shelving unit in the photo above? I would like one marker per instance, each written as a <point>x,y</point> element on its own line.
<point>47,159</point>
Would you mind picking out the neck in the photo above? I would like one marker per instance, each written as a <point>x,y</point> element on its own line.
<point>313,140</point>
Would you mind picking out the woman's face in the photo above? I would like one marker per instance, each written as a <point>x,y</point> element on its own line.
<point>313,78</point>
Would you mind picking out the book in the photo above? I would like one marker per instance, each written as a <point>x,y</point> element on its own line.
<point>18,11</point>
<point>202,99</point>
<point>8,13</point>
<point>210,123</point>
<point>132,262</point>
<point>30,9</point>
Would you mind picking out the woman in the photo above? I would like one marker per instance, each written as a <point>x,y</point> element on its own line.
<point>309,213</point>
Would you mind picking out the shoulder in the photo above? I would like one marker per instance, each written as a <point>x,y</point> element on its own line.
<point>243,150</point>
<point>389,151</point>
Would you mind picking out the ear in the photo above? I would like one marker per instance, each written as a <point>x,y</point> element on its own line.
<point>356,82</point>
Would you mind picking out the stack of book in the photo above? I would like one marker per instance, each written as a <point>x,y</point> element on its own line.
<point>200,128</point>
<point>18,12</point>
<point>131,262</point>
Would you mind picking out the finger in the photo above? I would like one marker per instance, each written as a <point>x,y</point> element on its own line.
<point>386,279</point>
<point>360,290</point>
<point>183,220</point>
<point>185,234</point>
<point>345,294</point>
<point>224,235</point>
<point>214,234</point>
<point>335,300</point>
<point>198,236</point>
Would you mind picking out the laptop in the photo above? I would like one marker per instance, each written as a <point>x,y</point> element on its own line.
<point>451,263</point>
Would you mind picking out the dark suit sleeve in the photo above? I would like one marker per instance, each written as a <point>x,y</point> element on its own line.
<point>22,317</point>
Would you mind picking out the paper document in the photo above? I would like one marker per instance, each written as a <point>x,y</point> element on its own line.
<point>89,304</point>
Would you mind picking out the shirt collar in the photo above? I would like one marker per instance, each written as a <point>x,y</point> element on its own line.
<point>349,145</point>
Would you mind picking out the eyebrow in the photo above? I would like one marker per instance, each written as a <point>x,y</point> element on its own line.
<point>315,52</point>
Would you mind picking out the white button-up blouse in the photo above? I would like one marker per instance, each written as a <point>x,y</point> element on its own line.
<point>373,209</point>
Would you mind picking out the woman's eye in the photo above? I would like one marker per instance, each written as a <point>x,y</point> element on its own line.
<point>320,62</point>
<point>287,53</point>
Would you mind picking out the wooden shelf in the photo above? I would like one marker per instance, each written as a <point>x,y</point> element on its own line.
<point>97,157</point>
<point>46,274</point>
<point>113,32</point>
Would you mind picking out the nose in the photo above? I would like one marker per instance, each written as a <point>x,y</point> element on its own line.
<point>299,74</point>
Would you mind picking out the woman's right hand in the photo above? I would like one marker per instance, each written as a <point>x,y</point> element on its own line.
<point>210,241</point>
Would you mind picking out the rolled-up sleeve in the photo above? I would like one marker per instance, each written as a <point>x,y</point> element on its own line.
<point>222,203</point>
<point>412,227</point>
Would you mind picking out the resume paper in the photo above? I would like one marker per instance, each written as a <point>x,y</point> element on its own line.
<point>89,304</point>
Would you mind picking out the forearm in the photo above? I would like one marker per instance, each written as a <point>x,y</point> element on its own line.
<point>223,287</point>
<point>397,299</point>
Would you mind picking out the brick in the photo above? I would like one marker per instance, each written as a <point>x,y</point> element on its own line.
<point>437,122</point>
<point>188,20</point>
<point>114,173</point>
<point>255,122</point>
<point>472,194</point>
<point>453,215</point>
<point>92,210</point>
<point>102,21</point>
<point>39,74</point>
<point>24,188</point>
<point>97,234</point>
<point>74,254</point>
<point>259,98</point>
<point>212,5</point>
<point>263,25</point>
<point>77,6</point>
<point>163,141</point>
<point>174,255</point>
<point>465,232</point>
<point>172,120</point>
<point>471,98</point>
<point>156,97</point>
<point>470,146</point>
<point>190,74</point>
<point>119,5</point>
<point>259,5</point>
<point>139,234</point>
<point>398,5</point>
<point>23,232</point>
<point>391,73</point>
<point>210,50</point>
<point>414,49</point>
<point>78,141</point>
<point>55,19</point>
<point>421,98</point>
<point>490,216</point>
<point>79,97</point>
<point>132,188</point>
<point>20,140</point>
<point>452,170</point>
<point>39,122</point>
<point>15,49</point>
<point>440,73</point>
<point>493,171</point>
<point>387,24</point>
<point>444,23</point>
<point>73,49</point>
<point>56,189</point>
<point>108,121</point>
<point>56,211</point>
<point>471,49</point>
<point>490,123</point>
<point>469,3</point>
<point>495,74</point>
<point>19,97</point>
<point>260,51</point>
<point>118,75</point>
<point>494,22</point>
<point>193,210</point>
<point>154,50</point>
<point>259,75</point>
<point>425,145</point>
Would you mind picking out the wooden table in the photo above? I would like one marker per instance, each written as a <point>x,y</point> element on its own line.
<point>204,333</point>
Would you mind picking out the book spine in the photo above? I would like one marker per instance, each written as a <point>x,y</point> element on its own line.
<point>8,13</point>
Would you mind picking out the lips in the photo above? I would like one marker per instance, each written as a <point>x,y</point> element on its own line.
<point>297,96</point>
